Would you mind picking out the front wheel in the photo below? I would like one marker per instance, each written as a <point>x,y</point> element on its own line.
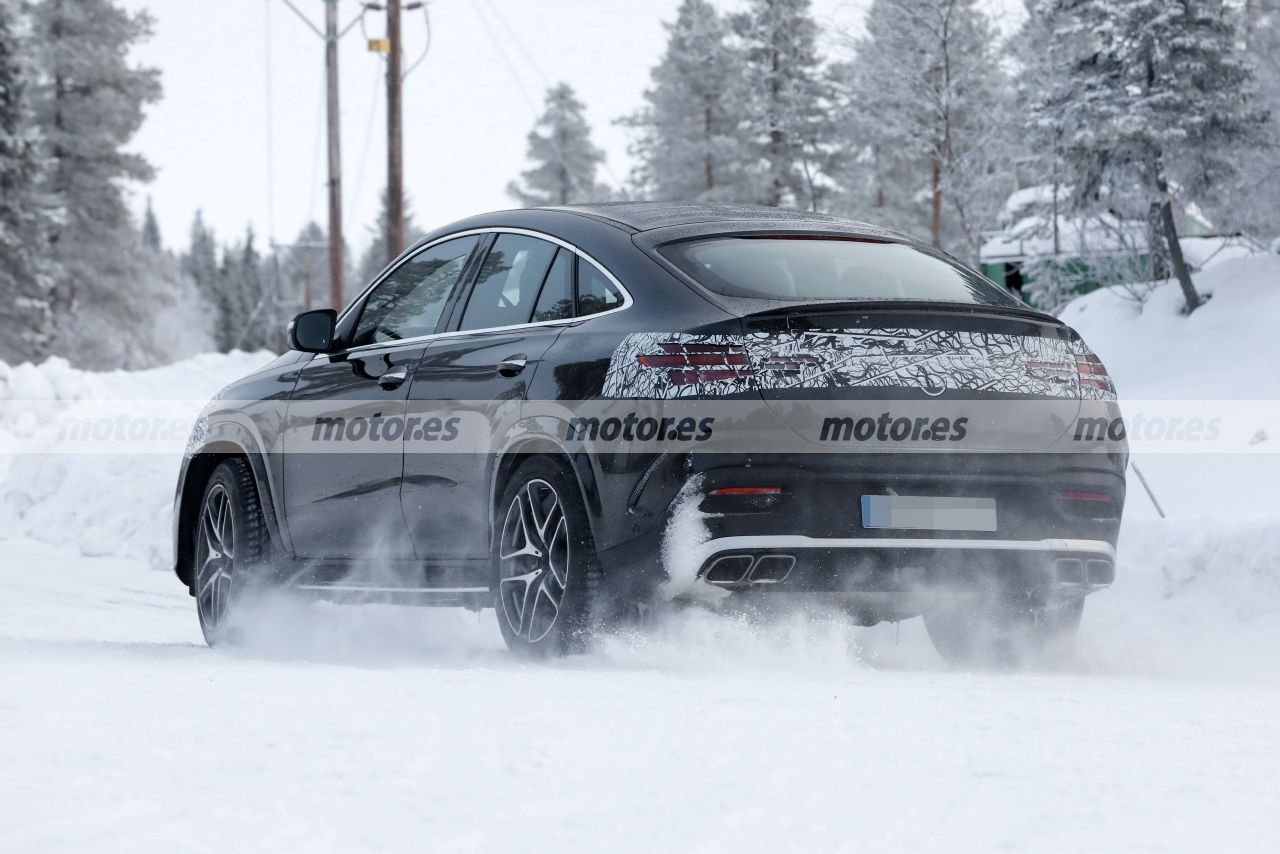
<point>1004,631</point>
<point>230,539</point>
<point>545,561</point>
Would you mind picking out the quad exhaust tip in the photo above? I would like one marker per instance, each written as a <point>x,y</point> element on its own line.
<point>733,570</point>
<point>1094,572</point>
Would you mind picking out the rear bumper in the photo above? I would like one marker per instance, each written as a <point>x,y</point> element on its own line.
<point>904,564</point>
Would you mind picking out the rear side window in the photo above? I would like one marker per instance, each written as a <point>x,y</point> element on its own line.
<point>556,300</point>
<point>817,269</point>
<point>595,292</point>
<point>508,283</point>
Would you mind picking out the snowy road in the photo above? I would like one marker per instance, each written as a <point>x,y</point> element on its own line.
<point>397,729</point>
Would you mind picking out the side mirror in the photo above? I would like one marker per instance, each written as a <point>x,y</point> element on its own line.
<point>312,331</point>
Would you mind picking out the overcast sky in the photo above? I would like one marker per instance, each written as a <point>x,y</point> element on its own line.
<point>468,106</point>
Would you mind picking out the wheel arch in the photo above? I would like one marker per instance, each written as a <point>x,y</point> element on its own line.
<point>197,470</point>
<point>579,465</point>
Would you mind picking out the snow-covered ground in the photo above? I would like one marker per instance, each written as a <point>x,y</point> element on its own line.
<point>380,728</point>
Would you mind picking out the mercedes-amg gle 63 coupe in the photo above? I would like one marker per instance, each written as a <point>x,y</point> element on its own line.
<point>585,415</point>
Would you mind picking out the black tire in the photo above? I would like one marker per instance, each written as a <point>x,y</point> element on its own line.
<point>545,567</point>
<point>1004,632</point>
<point>230,548</point>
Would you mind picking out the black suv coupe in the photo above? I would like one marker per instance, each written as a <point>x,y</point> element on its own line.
<point>572,413</point>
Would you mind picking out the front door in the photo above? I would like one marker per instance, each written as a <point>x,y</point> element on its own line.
<point>343,438</point>
<point>478,374</point>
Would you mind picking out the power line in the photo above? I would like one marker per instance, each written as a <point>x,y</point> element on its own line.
<point>374,100</point>
<point>518,79</point>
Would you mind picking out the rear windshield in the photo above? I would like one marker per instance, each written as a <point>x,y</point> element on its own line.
<point>816,269</point>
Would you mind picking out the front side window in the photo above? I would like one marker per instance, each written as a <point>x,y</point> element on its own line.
<point>508,283</point>
<point>829,269</point>
<point>409,301</point>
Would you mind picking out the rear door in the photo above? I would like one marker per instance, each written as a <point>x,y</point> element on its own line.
<point>474,379</point>
<point>343,455</point>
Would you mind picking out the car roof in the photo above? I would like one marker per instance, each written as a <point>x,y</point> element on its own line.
<point>647,216</point>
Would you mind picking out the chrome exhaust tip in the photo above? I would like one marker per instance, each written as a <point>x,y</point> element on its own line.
<point>1099,573</point>
<point>770,569</point>
<point>1069,570</point>
<point>731,569</point>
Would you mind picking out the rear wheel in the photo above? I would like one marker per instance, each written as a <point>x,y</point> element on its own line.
<point>1005,631</point>
<point>545,561</point>
<point>231,543</point>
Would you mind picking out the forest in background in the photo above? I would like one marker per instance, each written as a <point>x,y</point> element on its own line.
<point>925,120</point>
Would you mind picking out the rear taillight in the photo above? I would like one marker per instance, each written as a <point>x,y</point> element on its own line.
<point>690,364</point>
<point>1093,374</point>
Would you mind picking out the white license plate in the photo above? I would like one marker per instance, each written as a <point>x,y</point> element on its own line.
<point>928,513</point>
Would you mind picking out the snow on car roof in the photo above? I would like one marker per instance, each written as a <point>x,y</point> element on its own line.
<point>643,216</point>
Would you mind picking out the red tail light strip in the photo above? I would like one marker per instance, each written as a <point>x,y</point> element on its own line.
<point>690,364</point>
<point>1092,373</point>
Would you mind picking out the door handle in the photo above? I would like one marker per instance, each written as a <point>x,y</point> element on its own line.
<point>393,378</point>
<point>512,365</point>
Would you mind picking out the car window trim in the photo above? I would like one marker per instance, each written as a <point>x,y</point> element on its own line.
<point>627,300</point>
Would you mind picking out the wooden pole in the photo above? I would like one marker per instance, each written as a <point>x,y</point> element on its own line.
<point>395,136</point>
<point>335,153</point>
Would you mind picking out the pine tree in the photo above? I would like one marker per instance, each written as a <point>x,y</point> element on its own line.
<point>24,220</point>
<point>1161,98</point>
<point>151,230</point>
<point>929,107</point>
<point>1252,204</point>
<point>565,160</point>
<point>200,265</point>
<point>89,103</point>
<point>687,142</point>
<point>374,258</point>
<point>248,310</point>
<point>787,112</point>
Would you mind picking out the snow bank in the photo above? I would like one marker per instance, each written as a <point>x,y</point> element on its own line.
<point>103,504</point>
<point>1199,591</point>
<point>1228,348</point>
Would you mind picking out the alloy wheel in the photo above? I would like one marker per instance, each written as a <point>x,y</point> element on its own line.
<point>533,561</point>
<point>215,556</point>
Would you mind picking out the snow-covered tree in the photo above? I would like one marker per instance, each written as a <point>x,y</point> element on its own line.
<point>201,260</point>
<point>927,111</point>
<point>787,111</point>
<point>89,102</point>
<point>178,313</point>
<point>564,159</point>
<point>25,224</point>
<point>1161,100</point>
<point>151,230</point>
<point>249,313</point>
<point>687,141</point>
<point>1253,203</point>
<point>374,258</point>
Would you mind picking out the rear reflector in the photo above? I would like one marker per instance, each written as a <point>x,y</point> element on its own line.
<point>748,490</point>
<point>1081,495</point>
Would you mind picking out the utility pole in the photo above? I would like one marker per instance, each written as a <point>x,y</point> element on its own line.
<point>395,136</point>
<point>335,154</point>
